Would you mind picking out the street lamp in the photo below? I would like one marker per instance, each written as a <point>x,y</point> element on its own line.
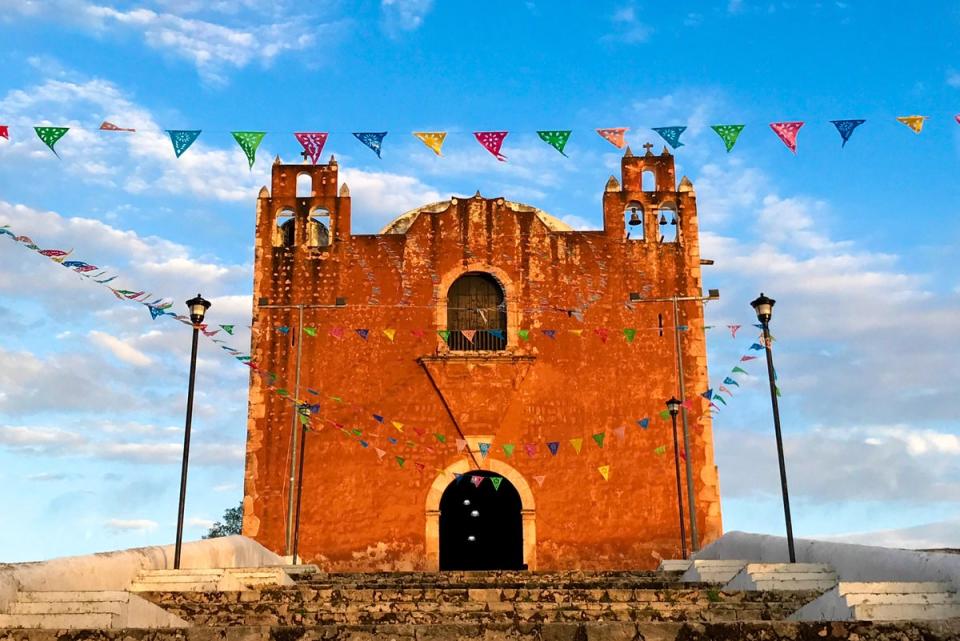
<point>764,308</point>
<point>198,309</point>
<point>673,406</point>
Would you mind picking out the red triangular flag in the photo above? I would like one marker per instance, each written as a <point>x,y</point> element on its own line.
<point>4,132</point>
<point>787,132</point>
<point>312,142</point>
<point>614,136</point>
<point>492,141</point>
<point>476,480</point>
<point>603,333</point>
<point>109,126</point>
<point>733,330</point>
<point>468,334</point>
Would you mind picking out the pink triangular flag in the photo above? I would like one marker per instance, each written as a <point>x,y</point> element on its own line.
<point>614,136</point>
<point>733,330</point>
<point>312,142</point>
<point>380,453</point>
<point>620,432</point>
<point>787,132</point>
<point>539,480</point>
<point>109,126</point>
<point>461,445</point>
<point>417,333</point>
<point>468,334</point>
<point>476,480</point>
<point>531,449</point>
<point>5,132</point>
<point>492,141</point>
<point>336,332</point>
<point>957,118</point>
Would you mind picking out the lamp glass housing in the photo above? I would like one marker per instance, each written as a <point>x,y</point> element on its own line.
<point>673,406</point>
<point>198,309</point>
<point>763,305</point>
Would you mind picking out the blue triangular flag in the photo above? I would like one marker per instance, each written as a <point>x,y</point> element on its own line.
<point>182,139</point>
<point>671,135</point>
<point>730,381</point>
<point>845,128</point>
<point>708,394</point>
<point>644,422</point>
<point>155,312</point>
<point>550,333</point>
<point>283,329</point>
<point>371,139</point>
<point>756,347</point>
<point>554,447</point>
<point>392,440</point>
<point>364,443</point>
<point>458,476</point>
<point>496,332</point>
<point>378,418</point>
<point>363,333</point>
<point>484,448</point>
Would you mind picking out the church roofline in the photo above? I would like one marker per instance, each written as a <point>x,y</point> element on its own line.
<point>402,223</point>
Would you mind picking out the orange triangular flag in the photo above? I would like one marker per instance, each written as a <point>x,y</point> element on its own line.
<point>468,334</point>
<point>576,332</point>
<point>577,443</point>
<point>539,480</point>
<point>614,136</point>
<point>390,333</point>
<point>398,425</point>
<point>914,122</point>
<point>432,139</point>
<point>380,453</point>
<point>604,472</point>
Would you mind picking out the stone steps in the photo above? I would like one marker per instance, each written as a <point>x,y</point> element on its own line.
<point>86,610</point>
<point>713,571</point>
<point>210,579</point>
<point>566,631</point>
<point>783,576</point>
<point>888,601</point>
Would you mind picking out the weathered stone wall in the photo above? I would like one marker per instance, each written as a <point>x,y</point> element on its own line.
<point>361,514</point>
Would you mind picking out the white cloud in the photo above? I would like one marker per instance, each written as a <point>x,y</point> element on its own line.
<point>627,28</point>
<point>378,197</point>
<point>403,15</point>
<point>953,78</point>
<point>131,525</point>
<point>198,522</point>
<point>929,536</point>
<point>212,47</point>
<point>120,349</point>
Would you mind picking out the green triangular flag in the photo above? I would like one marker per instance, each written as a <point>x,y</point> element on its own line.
<point>441,438</point>
<point>740,370</point>
<point>524,334</point>
<point>444,333</point>
<point>282,392</point>
<point>777,389</point>
<point>304,420</point>
<point>599,439</point>
<point>729,134</point>
<point>400,461</point>
<point>496,480</point>
<point>310,331</point>
<point>717,397</point>
<point>249,141</point>
<point>50,136</point>
<point>227,328</point>
<point>629,333</point>
<point>665,414</point>
<point>556,139</point>
<point>356,432</point>
<point>508,449</point>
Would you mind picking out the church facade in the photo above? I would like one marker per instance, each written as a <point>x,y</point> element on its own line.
<point>483,386</point>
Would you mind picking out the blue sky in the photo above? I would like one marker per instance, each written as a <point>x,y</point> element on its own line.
<point>857,244</point>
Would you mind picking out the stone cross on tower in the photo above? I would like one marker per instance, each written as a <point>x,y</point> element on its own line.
<point>648,147</point>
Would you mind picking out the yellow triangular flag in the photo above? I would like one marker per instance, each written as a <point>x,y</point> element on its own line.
<point>914,122</point>
<point>577,443</point>
<point>575,332</point>
<point>604,472</point>
<point>398,425</point>
<point>390,333</point>
<point>432,139</point>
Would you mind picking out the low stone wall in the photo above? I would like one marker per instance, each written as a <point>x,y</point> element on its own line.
<point>116,570</point>
<point>851,562</point>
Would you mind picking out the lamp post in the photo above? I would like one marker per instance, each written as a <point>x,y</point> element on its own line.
<point>673,406</point>
<point>198,309</point>
<point>764,308</point>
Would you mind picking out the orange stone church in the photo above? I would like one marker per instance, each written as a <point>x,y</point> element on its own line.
<point>483,384</point>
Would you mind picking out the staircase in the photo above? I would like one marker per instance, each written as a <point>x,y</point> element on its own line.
<point>883,602</point>
<point>212,580</point>
<point>86,610</point>
<point>783,576</point>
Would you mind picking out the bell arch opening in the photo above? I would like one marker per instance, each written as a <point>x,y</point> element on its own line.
<point>476,313</point>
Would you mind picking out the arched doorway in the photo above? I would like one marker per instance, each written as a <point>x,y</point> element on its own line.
<point>481,525</point>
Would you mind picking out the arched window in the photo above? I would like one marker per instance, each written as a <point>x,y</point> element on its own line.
<point>284,233</point>
<point>304,186</point>
<point>648,181</point>
<point>667,223</point>
<point>318,228</point>
<point>633,215</point>
<point>476,313</point>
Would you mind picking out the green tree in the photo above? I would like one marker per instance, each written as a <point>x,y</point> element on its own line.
<point>232,523</point>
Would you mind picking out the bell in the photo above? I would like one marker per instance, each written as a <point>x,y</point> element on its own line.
<point>634,218</point>
<point>673,220</point>
<point>663,219</point>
